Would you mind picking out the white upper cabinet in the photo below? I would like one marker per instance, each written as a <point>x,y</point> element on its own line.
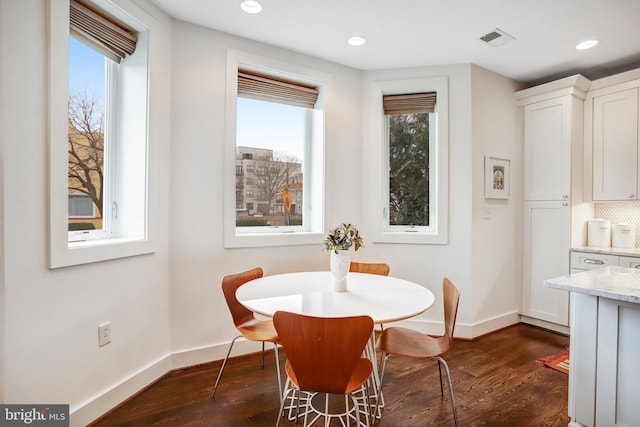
<point>552,123</point>
<point>615,144</point>
<point>547,149</point>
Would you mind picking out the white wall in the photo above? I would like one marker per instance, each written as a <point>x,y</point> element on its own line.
<point>496,243</point>
<point>51,352</point>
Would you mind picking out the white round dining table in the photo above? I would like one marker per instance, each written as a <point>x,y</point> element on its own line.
<point>385,299</point>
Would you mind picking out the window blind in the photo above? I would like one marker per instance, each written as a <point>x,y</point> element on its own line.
<point>424,102</point>
<point>268,88</point>
<point>102,33</point>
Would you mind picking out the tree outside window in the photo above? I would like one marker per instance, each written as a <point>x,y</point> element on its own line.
<point>409,169</point>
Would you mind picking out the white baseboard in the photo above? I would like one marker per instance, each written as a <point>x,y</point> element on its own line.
<point>546,325</point>
<point>463,330</point>
<point>487,325</point>
<point>109,399</point>
<point>104,402</point>
<point>99,405</point>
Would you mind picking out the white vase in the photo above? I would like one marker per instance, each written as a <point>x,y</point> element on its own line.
<point>339,264</point>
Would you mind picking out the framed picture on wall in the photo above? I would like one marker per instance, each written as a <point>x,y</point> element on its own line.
<point>496,178</point>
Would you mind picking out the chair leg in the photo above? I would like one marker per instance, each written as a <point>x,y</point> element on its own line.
<point>275,345</point>
<point>283,400</point>
<point>440,372</point>
<point>263,354</point>
<point>368,409</point>
<point>453,403</point>
<point>385,359</point>
<point>224,362</point>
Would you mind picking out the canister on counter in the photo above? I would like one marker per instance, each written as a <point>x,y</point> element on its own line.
<point>623,235</point>
<point>599,232</point>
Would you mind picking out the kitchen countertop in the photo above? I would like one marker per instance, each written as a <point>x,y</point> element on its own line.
<point>607,250</point>
<point>617,283</point>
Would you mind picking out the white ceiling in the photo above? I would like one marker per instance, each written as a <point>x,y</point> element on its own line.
<point>408,33</point>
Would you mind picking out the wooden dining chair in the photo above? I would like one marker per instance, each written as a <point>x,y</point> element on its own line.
<point>245,321</point>
<point>324,355</point>
<point>410,343</point>
<point>370,267</point>
<point>379,268</point>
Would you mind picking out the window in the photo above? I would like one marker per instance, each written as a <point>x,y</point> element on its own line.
<point>88,74</point>
<point>409,194</point>
<point>409,146</point>
<point>275,136</point>
<point>98,125</point>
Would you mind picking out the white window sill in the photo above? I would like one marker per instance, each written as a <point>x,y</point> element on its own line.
<point>77,253</point>
<point>274,239</point>
<point>411,237</point>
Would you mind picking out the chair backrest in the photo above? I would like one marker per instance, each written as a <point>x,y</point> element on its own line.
<point>451,296</point>
<point>230,284</point>
<point>370,267</point>
<point>323,351</point>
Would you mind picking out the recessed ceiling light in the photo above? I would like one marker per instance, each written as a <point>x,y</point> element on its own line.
<point>356,41</point>
<point>587,44</point>
<point>251,6</point>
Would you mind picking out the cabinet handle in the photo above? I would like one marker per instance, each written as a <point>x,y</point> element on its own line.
<point>565,204</point>
<point>593,261</point>
<point>565,196</point>
<point>631,196</point>
<point>637,266</point>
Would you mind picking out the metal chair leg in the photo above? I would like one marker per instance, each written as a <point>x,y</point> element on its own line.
<point>385,359</point>
<point>440,372</point>
<point>224,362</point>
<point>288,389</point>
<point>453,403</point>
<point>275,345</point>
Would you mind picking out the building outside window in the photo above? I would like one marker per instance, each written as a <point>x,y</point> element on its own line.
<point>270,175</point>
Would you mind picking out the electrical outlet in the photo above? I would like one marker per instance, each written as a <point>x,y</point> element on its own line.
<point>104,334</point>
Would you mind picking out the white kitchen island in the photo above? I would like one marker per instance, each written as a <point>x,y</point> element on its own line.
<point>604,370</point>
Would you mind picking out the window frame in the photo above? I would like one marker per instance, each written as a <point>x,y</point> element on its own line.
<point>376,182</point>
<point>130,225</point>
<point>313,161</point>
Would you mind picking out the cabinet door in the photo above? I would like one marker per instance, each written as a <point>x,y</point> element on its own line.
<point>546,255</point>
<point>615,146</point>
<point>547,149</point>
<point>617,371</point>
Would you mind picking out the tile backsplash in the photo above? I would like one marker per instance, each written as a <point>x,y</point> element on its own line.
<point>617,212</point>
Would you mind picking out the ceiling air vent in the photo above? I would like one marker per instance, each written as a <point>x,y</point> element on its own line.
<point>497,38</point>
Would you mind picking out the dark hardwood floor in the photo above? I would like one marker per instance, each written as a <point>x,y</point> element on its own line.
<point>495,378</point>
